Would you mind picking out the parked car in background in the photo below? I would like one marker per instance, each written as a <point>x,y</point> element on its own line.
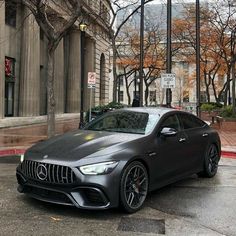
<point>118,158</point>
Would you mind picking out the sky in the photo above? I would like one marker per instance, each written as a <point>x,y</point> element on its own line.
<point>173,1</point>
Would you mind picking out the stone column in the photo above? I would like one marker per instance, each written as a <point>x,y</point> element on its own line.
<point>2,58</point>
<point>74,77</point>
<point>89,67</point>
<point>30,67</point>
<point>59,78</point>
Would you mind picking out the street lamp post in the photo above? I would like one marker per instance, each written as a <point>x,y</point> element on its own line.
<point>169,51</point>
<point>82,27</point>
<point>141,54</point>
<point>198,87</point>
<point>135,84</point>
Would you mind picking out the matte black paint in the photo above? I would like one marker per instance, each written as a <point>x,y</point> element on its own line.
<point>166,158</point>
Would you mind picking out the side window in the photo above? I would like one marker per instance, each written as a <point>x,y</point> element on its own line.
<point>191,122</point>
<point>108,122</point>
<point>171,122</point>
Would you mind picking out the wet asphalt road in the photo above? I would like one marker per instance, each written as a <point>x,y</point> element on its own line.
<point>194,206</point>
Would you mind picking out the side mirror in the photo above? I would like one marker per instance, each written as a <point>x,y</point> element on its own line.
<point>168,132</point>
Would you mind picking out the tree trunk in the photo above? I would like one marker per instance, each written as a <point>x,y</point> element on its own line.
<point>127,90</point>
<point>215,93</point>
<point>146,95</point>
<point>208,94</point>
<point>207,84</point>
<point>50,94</point>
<point>233,87</point>
<point>227,87</point>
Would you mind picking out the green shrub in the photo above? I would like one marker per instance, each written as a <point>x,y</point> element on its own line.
<point>114,105</point>
<point>211,106</point>
<point>227,112</point>
<point>207,107</point>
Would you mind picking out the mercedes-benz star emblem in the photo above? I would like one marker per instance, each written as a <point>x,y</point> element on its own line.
<point>42,172</point>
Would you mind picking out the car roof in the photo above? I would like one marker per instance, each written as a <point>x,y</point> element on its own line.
<point>150,110</point>
<point>160,111</point>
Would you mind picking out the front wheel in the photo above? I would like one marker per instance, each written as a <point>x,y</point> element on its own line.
<point>134,187</point>
<point>211,162</point>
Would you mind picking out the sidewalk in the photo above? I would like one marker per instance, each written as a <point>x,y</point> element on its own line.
<point>228,143</point>
<point>16,136</point>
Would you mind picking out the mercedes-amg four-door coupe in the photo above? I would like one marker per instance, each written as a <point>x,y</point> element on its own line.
<point>118,158</point>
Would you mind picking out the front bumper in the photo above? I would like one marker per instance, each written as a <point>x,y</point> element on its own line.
<point>86,192</point>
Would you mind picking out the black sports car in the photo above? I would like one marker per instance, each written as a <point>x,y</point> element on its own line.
<point>118,158</point>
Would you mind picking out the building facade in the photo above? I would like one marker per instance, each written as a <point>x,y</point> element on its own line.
<point>23,61</point>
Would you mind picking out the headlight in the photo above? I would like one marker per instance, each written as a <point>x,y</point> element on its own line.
<point>99,168</point>
<point>22,157</point>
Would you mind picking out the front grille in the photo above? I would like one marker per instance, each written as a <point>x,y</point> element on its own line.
<point>55,174</point>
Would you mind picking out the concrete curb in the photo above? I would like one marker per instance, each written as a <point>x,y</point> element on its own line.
<point>228,154</point>
<point>11,152</point>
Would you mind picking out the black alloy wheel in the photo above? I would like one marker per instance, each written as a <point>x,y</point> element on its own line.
<point>134,187</point>
<point>211,162</point>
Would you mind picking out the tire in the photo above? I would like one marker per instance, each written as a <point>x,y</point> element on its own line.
<point>210,162</point>
<point>133,187</point>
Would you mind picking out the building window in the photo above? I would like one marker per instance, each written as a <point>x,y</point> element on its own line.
<point>186,96</point>
<point>222,96</point>
<point>152,97</point>
<point>104,12</point>
<point>10,68</point>
<point>121,80</point>
<point>9,85</point>
<point>185,66</point>
<point>121,96</point>
<point>136,94</point>
<point>10,13</point>
<point>152,78</point>
<point>203,97</point>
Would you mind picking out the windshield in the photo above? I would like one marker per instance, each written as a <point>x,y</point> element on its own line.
<point>125,122</point>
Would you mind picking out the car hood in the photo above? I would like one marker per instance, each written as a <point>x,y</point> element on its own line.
<point>76,145</point>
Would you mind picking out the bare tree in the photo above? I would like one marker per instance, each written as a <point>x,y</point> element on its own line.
<point>54,25</point>
<point>154,53</point>
<point>216,60</point>
<point>130,8</point>
<point>224,21</point>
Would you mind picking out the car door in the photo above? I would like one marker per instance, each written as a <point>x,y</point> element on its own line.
<point>196,142</point>
<point>170,151</point>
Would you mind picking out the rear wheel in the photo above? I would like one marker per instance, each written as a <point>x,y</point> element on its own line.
<point>211,162</point>
<point>134,187</point>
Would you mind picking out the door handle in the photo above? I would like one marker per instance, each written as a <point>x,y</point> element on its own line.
<point>151,154</point>
<point>181,140</point>
<point>205,135</point>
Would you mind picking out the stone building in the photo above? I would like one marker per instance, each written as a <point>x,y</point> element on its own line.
<point>23,61</point>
